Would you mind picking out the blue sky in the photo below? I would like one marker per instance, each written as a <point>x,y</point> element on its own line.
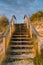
<point>19,8</point>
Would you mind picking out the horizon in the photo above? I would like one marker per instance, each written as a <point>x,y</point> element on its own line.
<point>20,8</point>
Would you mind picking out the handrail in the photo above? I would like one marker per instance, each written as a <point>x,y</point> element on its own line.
<point>37,35</point>
<point>6,37</point>
<point>6,32</point>
<point>33,28</point>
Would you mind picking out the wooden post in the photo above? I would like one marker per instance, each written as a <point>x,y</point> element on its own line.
<point>4,46</point>
<point>13,26</point>
<point>30,31</point>
<point>10,31</point>
<point>38,45</point>
<point>12,23</point>
<point>26,22</point>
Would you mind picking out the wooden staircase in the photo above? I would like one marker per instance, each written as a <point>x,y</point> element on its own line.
<point>21,45</point>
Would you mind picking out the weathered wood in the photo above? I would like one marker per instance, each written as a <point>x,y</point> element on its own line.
<point>26,22</point>
<point>38,45</point>
<point>30,31</point>
<point>4,45</point>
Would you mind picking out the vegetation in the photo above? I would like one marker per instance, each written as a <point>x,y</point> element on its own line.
<point>3,23</point>
<point>36,16</point>
<point>38,60</point>
<point>42,53</point>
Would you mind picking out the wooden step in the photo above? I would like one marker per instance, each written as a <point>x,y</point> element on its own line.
<point>21,50</point>
<point>21,35</point>
<point>21,46</point>
<point>21,56</point>
<point>20,41</point>
<point>23,43</point>
<point>22,38</point>
<point>19,53</point>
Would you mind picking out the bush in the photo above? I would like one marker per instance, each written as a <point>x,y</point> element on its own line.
<point>3,23</point>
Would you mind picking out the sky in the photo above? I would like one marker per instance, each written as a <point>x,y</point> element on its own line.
<point>19,8</point>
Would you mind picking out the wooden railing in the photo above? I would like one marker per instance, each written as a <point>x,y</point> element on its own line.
<point>32,29</point>
<point>6,39</point>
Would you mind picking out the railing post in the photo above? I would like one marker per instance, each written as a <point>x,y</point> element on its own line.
<point>12,23</point>
<point>26,21</point>
<point>30,31</point>
<point>13,26</point>
<point>38,45</point>
<point>4,46</point>
<point>10,31</point>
